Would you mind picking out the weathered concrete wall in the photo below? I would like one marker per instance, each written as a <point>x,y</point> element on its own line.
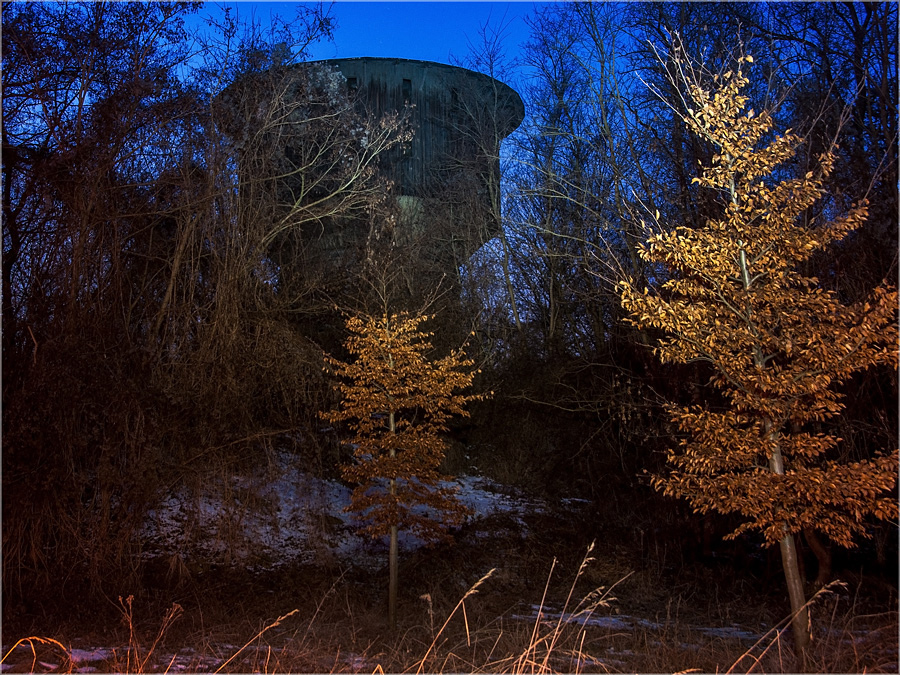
<point>446,181</point>
<point>459,116</point>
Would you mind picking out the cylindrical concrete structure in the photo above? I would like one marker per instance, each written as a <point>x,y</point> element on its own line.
<point>459,117</point>
<point>456,114</point>
<point>445,180</point>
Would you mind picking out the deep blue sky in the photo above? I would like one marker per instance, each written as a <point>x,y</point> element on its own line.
<point>430,31</point>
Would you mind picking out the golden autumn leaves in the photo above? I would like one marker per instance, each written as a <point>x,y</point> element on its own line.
<point>777,341</point>
<point>397,403</point>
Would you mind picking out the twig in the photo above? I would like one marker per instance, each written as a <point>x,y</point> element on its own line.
<point>471,591</point>
<point>275,623</point>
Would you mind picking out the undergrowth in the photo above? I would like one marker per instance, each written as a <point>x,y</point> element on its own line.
<point>565,630</point>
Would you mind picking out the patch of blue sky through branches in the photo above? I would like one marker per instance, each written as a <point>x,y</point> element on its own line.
<point>427,31</point>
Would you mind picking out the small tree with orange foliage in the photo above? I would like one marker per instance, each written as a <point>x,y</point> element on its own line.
<point>778,343</point>
<point>398,402</point>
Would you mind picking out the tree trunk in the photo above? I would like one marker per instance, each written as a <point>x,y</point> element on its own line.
<point>789,560</point>
<point>392,588</point>
<point>392,552</point>
<point>823,557</point>
<point>507,278</point>
<point>799,610</point>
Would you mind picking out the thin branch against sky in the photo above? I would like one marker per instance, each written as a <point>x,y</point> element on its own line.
<point>428,31</point>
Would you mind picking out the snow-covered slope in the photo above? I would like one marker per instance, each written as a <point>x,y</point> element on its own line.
<point>282,515</point>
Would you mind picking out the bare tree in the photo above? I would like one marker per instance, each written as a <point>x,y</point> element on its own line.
<point>149,320</point>
<point>87,109</point>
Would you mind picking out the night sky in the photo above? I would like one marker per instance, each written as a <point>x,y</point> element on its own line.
<point>430,31</point>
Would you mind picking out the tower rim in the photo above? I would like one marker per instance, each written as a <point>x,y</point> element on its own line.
<point>512,100</point>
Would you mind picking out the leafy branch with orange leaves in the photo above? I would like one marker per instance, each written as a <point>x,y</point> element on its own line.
<point>778,342</point>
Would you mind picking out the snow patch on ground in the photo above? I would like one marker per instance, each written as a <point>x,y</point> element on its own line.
<point>282,515</point>
<point>549,616</point>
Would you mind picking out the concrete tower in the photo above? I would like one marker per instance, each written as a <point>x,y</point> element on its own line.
<point>456,114</point>
<point>445,180</point>
<point>458,118</point>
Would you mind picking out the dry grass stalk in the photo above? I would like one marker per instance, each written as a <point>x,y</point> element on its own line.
<point>777,631</point>
<point>275,623</point>
<point>530,660</point>
<point>140,664</point>
<point>461,603</point>
<point>41,640</point>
